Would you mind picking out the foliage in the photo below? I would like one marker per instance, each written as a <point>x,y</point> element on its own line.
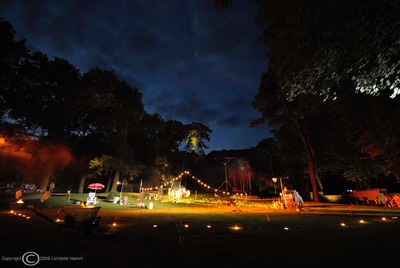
<point>320,55</point>
<point>100,117</point>
<point>112,194</point>
<point>240,174</point>
<point>314,45</point>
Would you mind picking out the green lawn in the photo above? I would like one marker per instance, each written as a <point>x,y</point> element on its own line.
<point>185,234</point>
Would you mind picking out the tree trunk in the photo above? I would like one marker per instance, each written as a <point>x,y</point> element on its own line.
<point>309,154</point>
<point>81,184</point>
<point>108,184</point>
<point>313,177</point>
<point>45,181</point>
<point>116,180</point>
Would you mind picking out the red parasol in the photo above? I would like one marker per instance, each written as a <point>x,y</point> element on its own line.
<point>95,186</point>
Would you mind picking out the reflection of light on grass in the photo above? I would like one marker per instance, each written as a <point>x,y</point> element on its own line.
<point>343,224</point>
<point>155,226</point>
<point>114,224</point>
<point>208,226</point>
<point>19,214</point>
<point>383,218</point>
<point>23,215</point>
<point>12,211</point>
<point>186,225</point>
<point>235,228</point>
<point>286,228</point>
<point>394,217</point>
<point>59,220</point>
<point>28,217</point>
<point>362,221</point>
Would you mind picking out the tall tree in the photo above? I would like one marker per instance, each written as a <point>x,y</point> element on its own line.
<point>277,111</point>
<point>317,47</point>
<point>112,110</point>
<point>13,54</point>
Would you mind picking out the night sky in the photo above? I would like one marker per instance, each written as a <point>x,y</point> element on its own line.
<point>191,61</point>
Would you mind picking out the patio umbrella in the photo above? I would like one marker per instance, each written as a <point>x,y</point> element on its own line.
<point>95,186</point>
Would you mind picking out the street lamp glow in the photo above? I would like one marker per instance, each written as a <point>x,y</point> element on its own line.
<point>280,179</point>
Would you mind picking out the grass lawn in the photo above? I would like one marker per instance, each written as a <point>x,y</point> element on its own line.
<point>200,233</point>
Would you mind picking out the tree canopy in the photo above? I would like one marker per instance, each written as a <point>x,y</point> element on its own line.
<point>99,116</point>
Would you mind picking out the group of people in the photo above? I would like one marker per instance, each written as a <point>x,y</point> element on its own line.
<point>10,188</point>
<point>292,199</point>
<point>177,193</point>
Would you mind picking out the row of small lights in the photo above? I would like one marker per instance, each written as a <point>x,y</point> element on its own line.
<point>238,227</point>
<point>208,226</point>
<point>19,214</point>
<point>206,186</point>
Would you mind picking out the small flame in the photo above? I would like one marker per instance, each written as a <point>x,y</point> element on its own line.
<point>20,201</point>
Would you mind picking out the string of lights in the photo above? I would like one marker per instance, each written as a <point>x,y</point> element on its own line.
<point>199,181</point>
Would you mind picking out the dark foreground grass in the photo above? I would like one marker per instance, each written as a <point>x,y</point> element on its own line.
<point>192,237</point>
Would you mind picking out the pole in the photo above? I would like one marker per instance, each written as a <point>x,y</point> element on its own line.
<point>226,177</point>
<point>225,161</point>
<point>274,180</point>
<point>283,197</point>
<point>280,178</point>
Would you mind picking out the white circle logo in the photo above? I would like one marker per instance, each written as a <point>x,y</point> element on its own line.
<point>30,258</point>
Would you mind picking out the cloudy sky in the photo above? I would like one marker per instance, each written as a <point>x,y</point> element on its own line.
<point>191,61</point>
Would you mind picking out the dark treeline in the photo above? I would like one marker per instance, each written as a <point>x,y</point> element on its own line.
<point>59,124</point>
<point>330,94</point>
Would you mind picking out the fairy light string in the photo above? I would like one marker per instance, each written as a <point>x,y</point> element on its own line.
<point>199,181</point>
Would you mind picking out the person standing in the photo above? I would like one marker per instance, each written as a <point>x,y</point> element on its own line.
<point>298,199</point>
<point>52,185</point>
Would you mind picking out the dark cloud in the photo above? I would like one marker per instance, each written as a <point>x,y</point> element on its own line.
<point>191,61</point>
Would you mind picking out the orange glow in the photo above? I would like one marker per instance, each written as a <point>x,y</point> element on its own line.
<point>12,150</point>
<point>31,158</point>
<point>236,228</point>
<point>20,201</point>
